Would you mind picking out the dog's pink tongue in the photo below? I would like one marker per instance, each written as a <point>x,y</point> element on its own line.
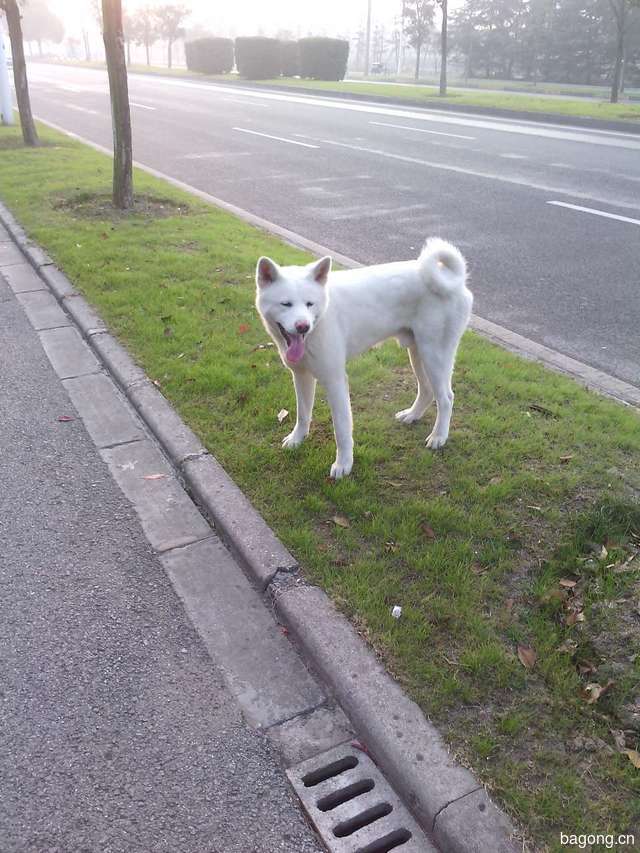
<point>295,350</point>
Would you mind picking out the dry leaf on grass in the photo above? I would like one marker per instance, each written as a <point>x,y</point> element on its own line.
<point>428,531</point>
<point>634,756</point>
<point>565,459</point>
<point>243,328</point>
<point>341,521</point>
<point>567,583</point>
<point>619,739</point>
<point>569,647</point>
<point>593,691</point>
<point>283,414</point>
<point>527,656</point>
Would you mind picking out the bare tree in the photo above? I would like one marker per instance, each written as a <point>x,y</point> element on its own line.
<point>29,132</point>
<point>418,15</point>
<point>40,24</point>
<point>120,113</point>
<point>170,18</point>
<point>143,28</point>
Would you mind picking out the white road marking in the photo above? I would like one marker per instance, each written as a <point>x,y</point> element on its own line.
<point>514,156</point>
<point>212,155</point>
<point>278,138</point>
<point>420,130</point>
<point>521,182</point>
<point>79,109</point>
<point>142,106</point>
<point>245,102</point>
<point>595,212</point>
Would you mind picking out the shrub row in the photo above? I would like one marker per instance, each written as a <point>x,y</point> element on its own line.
<point>209,55</point>
<point>259,58</point>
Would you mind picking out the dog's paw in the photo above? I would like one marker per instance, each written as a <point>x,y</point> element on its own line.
<point>407,416</point>
<point>436,441</point>
<point>294,439</point>
<point>339,470</point>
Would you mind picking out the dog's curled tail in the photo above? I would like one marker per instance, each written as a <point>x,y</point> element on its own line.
<point>442,266</point>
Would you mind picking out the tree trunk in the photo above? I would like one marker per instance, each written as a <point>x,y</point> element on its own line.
<point>146,47</point>
<point>128,51</point>
<point>443,49</point>
<point>169,53</point>
<point>620,16</point>
<point>418,52</point>
<point>29,133</point>
<point>120,114</point>
<point>87,48</point>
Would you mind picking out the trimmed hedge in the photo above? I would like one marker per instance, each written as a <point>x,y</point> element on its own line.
<point>290,59</point>
<point>209,55</point>
<point>323,58</point>
<point>258,58</point>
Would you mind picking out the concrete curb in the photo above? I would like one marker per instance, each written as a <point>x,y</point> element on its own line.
<point>378,706</point>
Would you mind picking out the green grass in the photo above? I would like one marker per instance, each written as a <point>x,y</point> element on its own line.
<point>427,95</point>
<point>472,542</point>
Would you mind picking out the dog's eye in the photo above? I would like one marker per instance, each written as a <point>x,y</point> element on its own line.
<point>309,304</point>
<point>286,304</point>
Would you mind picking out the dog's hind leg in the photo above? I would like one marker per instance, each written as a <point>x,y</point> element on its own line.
<point>425,392</point>
<point>438,365</point>
<point>305,385</point>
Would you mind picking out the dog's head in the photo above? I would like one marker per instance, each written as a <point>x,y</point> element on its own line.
<point>291,300</point>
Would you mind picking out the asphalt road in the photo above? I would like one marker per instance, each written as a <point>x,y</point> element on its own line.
<point>117,733</point>
<point>548,215</point>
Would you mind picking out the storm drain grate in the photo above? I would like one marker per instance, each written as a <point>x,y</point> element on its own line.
<point>353,807</point>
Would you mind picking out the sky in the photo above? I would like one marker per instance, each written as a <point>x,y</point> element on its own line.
<point>248,17</point>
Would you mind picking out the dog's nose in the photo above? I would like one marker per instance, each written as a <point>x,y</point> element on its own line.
<point>302,327</point>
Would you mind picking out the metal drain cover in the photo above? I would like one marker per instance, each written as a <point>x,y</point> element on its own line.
<point>352,805</point>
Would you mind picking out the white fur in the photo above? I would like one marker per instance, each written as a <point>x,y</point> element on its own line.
<point>423,303</point>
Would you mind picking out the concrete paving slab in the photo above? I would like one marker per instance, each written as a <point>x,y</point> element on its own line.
<point>407,747</point>
<point>23,278</point>
<point>168,517</point>
<point>237,522</point>
<point>42,310</point>
<point>308,735</point>
<point>104,412</point>
<point>10,254</point>
<point>260,665</point>
<point>474,825</point>
<point>68,353</point>
<point>176,438</point>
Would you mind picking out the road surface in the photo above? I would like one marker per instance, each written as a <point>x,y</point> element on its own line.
<point>548,215</point>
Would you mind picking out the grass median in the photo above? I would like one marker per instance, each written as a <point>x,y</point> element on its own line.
<point>514,552</point>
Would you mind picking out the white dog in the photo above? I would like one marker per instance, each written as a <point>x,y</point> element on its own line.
<point>319,319</point>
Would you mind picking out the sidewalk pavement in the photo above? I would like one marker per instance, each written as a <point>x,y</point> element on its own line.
<point>117,733</point>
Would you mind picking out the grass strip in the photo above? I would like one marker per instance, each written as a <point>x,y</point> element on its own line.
<point>514,552</point>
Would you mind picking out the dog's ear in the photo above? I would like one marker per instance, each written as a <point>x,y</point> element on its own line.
<point>320,270</point>
<point>266,272</point>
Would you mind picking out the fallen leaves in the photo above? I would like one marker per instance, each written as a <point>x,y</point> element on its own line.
<point>64,419</point>
<point>593,691</point>
<point>243,328</point>
<point>340,521</point>
<point>283,414</point>
<point>527,656</point>
<point>633,755</point>
<point>427,530</point>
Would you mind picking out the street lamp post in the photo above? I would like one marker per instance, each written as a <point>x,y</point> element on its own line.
<point>367,51</point>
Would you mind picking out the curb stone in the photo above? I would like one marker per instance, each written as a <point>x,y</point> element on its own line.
<point>408,753</point>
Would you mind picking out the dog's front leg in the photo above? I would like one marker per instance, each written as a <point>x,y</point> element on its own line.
<point>305,385</point>
<point>338,398</point>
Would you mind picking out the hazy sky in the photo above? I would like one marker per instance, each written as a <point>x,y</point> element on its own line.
<point>246,17</point>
